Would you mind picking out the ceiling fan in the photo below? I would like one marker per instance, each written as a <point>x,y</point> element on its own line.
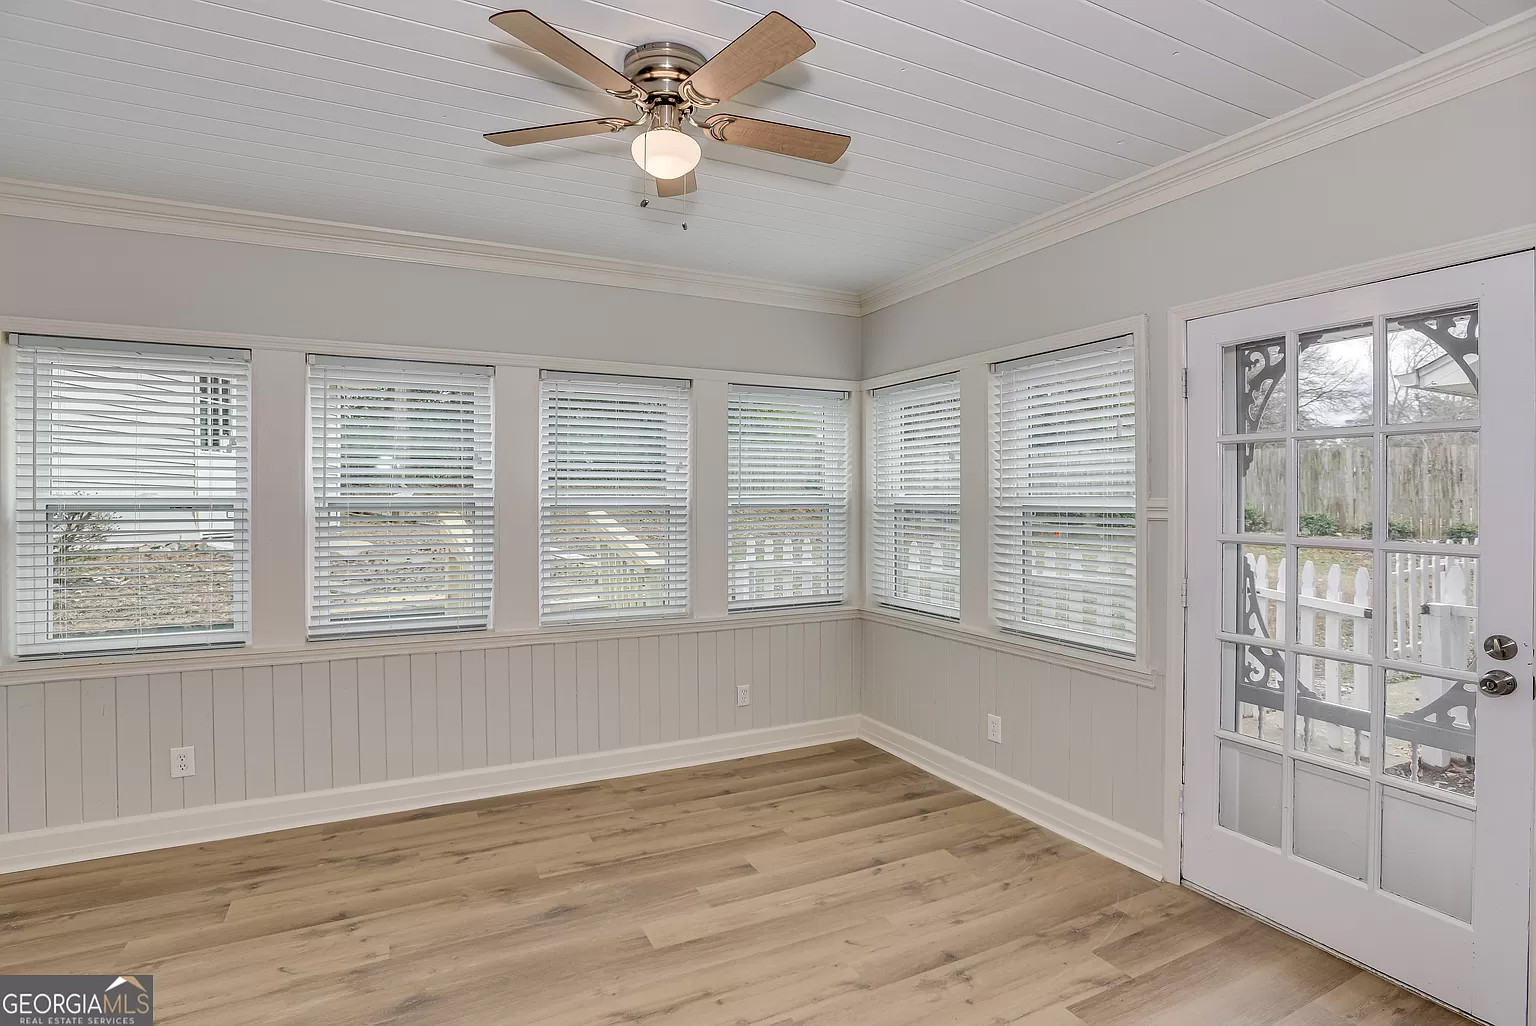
<point>668,83</point>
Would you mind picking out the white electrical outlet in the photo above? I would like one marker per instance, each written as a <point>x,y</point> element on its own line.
<point>994,728</point>
<point>183,762</point>
<point>743,695</point>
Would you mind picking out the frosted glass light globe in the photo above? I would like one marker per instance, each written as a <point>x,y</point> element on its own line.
<point>666,153</point>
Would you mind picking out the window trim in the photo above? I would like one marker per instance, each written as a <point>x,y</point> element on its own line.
<point>153,645</point>
<point>976,621</point>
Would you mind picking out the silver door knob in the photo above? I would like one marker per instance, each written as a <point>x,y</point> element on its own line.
<point>1497,683</point>
<point>1500,646</point>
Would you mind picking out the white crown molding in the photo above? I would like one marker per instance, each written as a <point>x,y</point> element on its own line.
<point>19,198</point>
<point>1482,59</point>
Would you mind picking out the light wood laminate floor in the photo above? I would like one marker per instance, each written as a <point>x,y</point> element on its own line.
<point>833,884</point>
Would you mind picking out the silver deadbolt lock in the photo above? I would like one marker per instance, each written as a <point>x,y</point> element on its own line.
<point>1500,646</point>
<point>1497,683</point>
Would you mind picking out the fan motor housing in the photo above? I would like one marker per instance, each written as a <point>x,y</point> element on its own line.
<point>660,68</point>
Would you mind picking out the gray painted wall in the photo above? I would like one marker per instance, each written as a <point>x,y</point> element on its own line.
<point>114,276</point>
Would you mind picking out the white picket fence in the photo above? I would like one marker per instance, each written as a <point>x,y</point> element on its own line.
<point>1430,620</point>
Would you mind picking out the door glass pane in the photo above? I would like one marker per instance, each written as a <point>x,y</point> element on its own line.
<point>1256,583</point>
<point>1249,792</point>
<point>1253,701</point>
<point>1333,710</point>
<point>1335,379</point>
<point>1432,487</point>
<point>1334,484</point>
<point>1431,732</point>
<point>1331,819</point>
<point>1426,852</point>
<point>1334,608</point>
<point>1431,609</point>
<point>1433,367</point>
<point>1255,488</point>
<point>1256,389</point>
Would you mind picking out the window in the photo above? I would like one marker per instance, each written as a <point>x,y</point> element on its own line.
<point>613,497</point>
<point>401,461</point>
<point>1064,496</point>
<point>132,496</point>
<point>915,534</point>
<point>787,522</point>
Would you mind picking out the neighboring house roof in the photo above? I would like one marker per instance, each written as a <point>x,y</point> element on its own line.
<point>1441,374</point>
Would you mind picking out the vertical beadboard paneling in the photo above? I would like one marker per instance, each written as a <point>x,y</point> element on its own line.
<point>5,766</point>
<point>778,674</point>
<point>543,724</point>
<point>725,681</point>
<point>98,750</point>
<point>666,678</point>
<point>520,672</point>
<point>165,792</point>
<point>228,735</point>
<point>450,712</point>
<point>650,691</point>
<point>709,683</point>
<point>1142,804</point>
<point>498,708</point>
<point>397,717</point>
<point>197,731</point>
<point>1051,731</point>
<point>743,647</point>
<point>346,732</point>
<point>61,752</point>
<point>986,700</point>
<point>629,692</point>
<point>372,722</point>
<point>609,684</point>
<point>260,755</point>
<point>423,714</point>
<point>588,722</point>
<point>761,669</point>
<point>473,688</point>
<point>567,734</point>
<point>816,704</point>
<point>288,727</point>
<point>688,686</point>
<point>847,679</point>
<point>794,674</point>
<point>24,756</point>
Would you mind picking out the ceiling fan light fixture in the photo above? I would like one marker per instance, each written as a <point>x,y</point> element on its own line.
<point>666,153</point>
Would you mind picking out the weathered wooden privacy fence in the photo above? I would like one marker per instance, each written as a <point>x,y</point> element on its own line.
<point>1430,619</point>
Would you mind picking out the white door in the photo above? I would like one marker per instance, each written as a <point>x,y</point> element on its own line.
<point>1362,479</point>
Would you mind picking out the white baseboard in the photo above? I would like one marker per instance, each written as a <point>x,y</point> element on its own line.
<point>58,845</point>
<point>1126,846</point>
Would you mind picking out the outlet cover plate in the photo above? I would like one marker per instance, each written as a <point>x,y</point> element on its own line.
<point>743,695</point>
<point>994,728</point>
<point>183,762</point>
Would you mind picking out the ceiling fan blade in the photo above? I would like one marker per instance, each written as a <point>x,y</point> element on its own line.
<point>667,187</point>
<point>550,133</point>
<point>751,57</point>
<point>790,140</point>
<point>563,50</point>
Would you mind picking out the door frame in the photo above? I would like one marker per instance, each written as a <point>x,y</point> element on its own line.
<point>1482,247</point>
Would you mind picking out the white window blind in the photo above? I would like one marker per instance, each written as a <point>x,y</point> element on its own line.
<point>915,533</point>
<point>613,497</point>
<point>787,520</point>
<point>401,469</point>
<point>132,496</point>
<point>1064,496</point>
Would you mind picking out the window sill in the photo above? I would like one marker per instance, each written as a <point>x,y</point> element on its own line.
<point>1129,671</point>
<point>91,666</point>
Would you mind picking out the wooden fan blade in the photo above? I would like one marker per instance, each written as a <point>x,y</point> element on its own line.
<point>550,133</point>
<point>751,57</point>
<point>790,140</point>
<point>563,50</point>
<point>667,187</point>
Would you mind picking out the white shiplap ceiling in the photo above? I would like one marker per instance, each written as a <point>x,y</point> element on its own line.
<point>968,117</point>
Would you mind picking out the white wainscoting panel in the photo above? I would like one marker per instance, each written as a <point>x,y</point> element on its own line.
<point>76,752</point>
<point>1079,736</point>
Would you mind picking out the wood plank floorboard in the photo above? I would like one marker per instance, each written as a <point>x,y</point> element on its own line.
<point>833,885</point>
